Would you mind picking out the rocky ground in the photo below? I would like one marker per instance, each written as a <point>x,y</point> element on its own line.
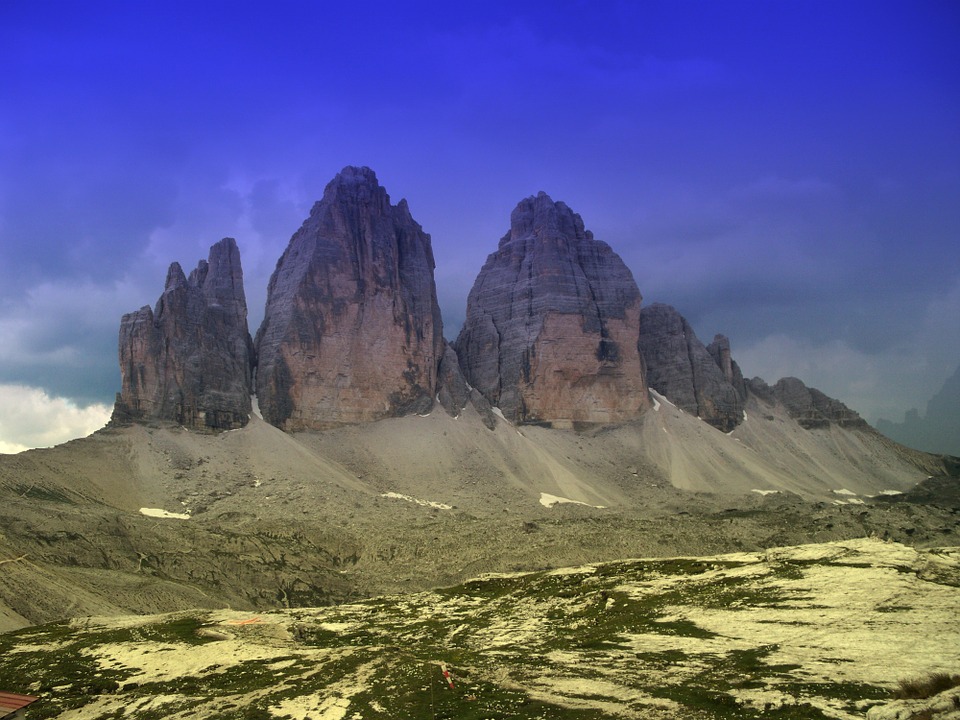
<point>815,631</point>
<point>243,535</point>
<point>152,519</point>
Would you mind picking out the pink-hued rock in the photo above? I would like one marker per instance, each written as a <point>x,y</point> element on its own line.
<point>552,324</point>
<point>352,330</point>
<point>189,360</point>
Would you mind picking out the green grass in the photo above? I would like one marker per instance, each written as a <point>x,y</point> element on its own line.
<point>584,625</point>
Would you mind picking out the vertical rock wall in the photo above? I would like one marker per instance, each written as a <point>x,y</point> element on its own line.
<point>552,324</point>
<point>704,382</point>
<point>352,330</point>
<point>189,359</point>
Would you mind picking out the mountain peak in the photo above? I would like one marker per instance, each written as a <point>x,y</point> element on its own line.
<point>540,216</point>
<point>352,330</point>
<point>190,360</point>
<point>552,323</point>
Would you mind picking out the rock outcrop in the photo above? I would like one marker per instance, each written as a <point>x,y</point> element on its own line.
<point>454,394</point>
<point>352,330</point>
<point>703,381</point>
<point>808,406</point>
<point>719,350</point>
<point>552,324</point>
<point>189,360</point>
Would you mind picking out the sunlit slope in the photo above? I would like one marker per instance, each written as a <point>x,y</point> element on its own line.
<point>797,632</point>
<point>147,519</point>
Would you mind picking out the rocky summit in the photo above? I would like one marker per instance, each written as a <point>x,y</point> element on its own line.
<point>189,359</point>
<point>552,324</point>
<point>699,380</point>
<point>808,406</point>
<point>352,330</point>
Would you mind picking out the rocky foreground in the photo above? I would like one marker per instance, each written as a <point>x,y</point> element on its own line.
<point>813,631</point>
<point>147,519</point>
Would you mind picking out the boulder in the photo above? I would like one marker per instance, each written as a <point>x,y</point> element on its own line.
<point>189,360</point>
<point>552,324</point>
<point>352,330</point>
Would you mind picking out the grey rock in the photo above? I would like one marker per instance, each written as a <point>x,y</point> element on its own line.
<point>189,360</point>
<point>352,330</point>
<point>697,380</point>
<point>808,406</point>
<point>453,393</point>
<point>552,324</point>
<point>719,350</point>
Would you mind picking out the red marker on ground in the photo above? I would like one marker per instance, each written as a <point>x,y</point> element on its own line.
<point>446,675</point>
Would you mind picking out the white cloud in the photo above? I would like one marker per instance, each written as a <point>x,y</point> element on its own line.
<point>880,385</point>
<point>835,368</point>
<point>31,418</point>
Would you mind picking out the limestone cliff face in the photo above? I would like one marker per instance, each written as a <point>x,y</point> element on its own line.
<point>705,382</point>
<point>719,350</point>
<point>352,330</point>
<point>454,394</point>
<point>808,406</point>
<point>189,359</point>
<point>552,324</point>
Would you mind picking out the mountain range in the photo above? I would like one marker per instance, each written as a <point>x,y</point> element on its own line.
<point>352,333</point>
<point>347,449</point>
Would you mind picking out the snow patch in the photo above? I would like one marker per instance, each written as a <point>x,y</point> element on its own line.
<point>661,398</point>
<point>744,415</point>
<point>424,503</point>
<point>889,492</point>
<point>548,500</point>
<point>255,406</point>
<point>157,513</point>
<point>656,404</point>
<point>844,491</point>
<point>765,492</point>
<point>499,413</point>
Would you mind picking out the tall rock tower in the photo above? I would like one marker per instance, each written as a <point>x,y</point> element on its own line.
<point>552,324</point>
<point>352,330</point>
<point>189,359</point>
<point>704,381</point>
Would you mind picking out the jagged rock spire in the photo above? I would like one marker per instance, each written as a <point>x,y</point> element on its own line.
<point>702,381</point>
<point>352,330</point>
<point>189,359</point>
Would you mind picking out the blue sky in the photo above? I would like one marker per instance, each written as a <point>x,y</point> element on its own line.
<point>787,173</point>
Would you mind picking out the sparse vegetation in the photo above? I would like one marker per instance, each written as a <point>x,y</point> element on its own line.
<point>928,686</point>
<point>632,637</point>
